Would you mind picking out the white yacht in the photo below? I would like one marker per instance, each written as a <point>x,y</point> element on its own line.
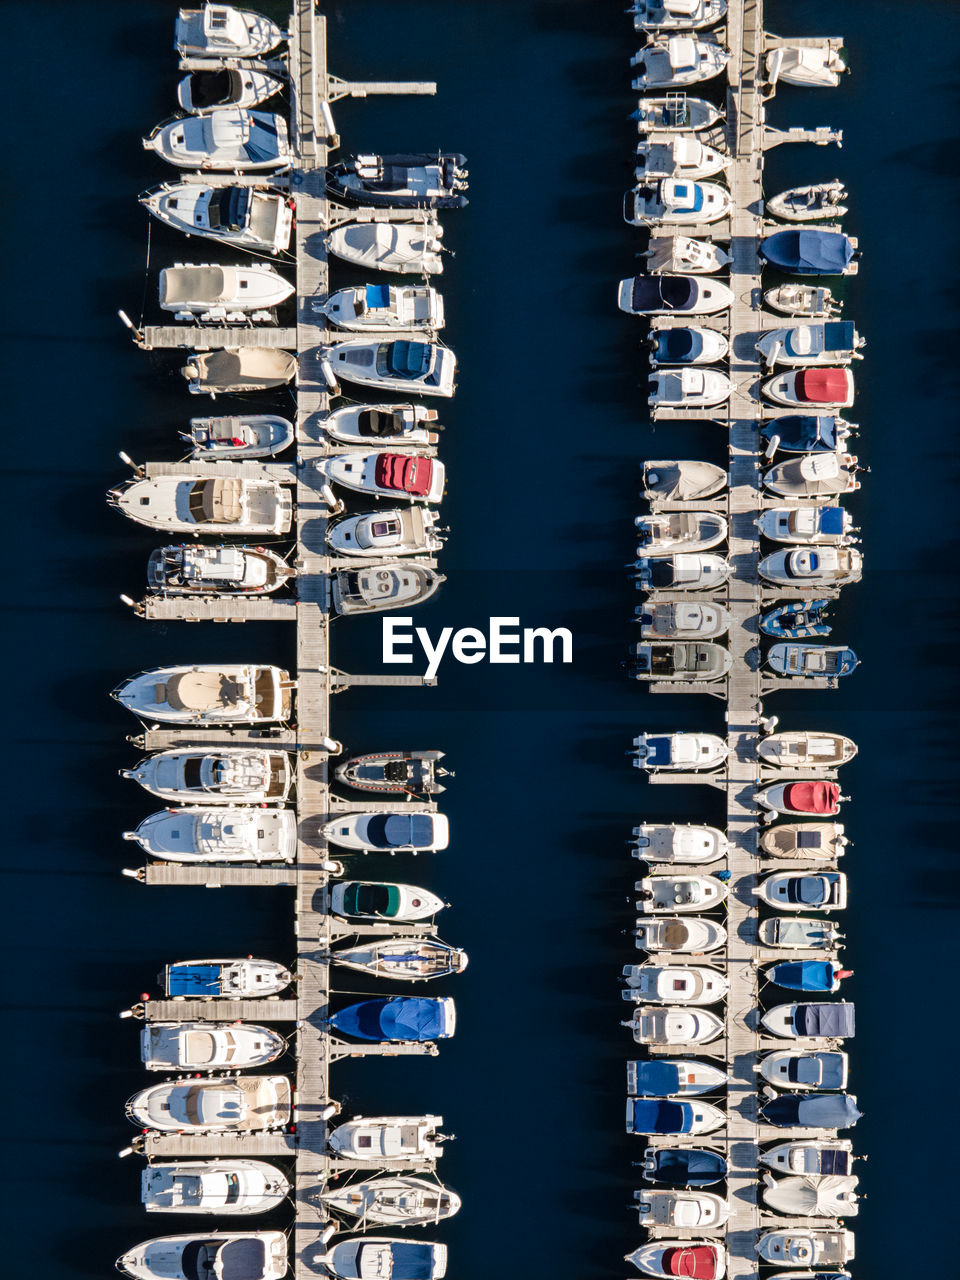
<point>225,1186</point>
<point>816,841</point>
<point>814,475</point>
<point>388,1200</point>
<point>673,984</point>
<point>679,892</point>
<point>230,138</point>
<point>194,503</point>
<point>668,1116</point>
<point>823,387</point>
<point>213,694</point>
<point>235,979</point>
<point>804,890</point>
<point>674,531</point>
<point>679,660</point>
<point>240,1104</point>
<point>207,1046</point>
<point>811,1158</point>
<point>685,935</point>
<point>222,31</point>
<point>213,373</point>
<point>822,526</point>
<point>677,155</point>
<point>676,15</point>
<point>398,425</point>
<point>228,775</point>
<point>210,88</point>
<point>681,571</point>
<point>409,248</point>
<point>237,438</point>
<point>673,1078</point>
<point>405,531</point>
<point>832,1196</point>
<point>807,1247</point>
<point>211,292</point>
<point>385,306</point>
<point>678,842</point>
<point>701,1259</point>
<point>802,300</point>
<point>230,1255</point>
<point>800,933</point>
<point>816,1020</point>
<point>419,368</point>
<point>220,570</point>
<point>689,344</point>
<point>385,474</point>
<point>692,1210</point>
<point>689,388</point>
<point>238,833</point>
<point>364,1256</point>
<point>654,1025</point>
<point>681,620</point>
<point>671,252</point>
<point>677,200</point>
<point>403,959</point>
<point>805,749</point>
<point>813,566</point>
<point>385,584</point>
<point>681,751</point>
<point>806,1069</point>
<point>376,900</point>
<point>248,217</point>
<point>389,832</point>
<point>675,112</point>
<point>658,295</point>
<point>818,343</point>
<point>412,1139</point>
<point>676,61</point>
<point>817,66</point>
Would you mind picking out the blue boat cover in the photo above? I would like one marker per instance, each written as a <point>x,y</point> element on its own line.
<point>812,253</point>
<point>691,1167</point>
<point>678,346</point>
<point>691,191</point>
<point>812,1110</point>
<point>831,519</point>
<point>393,1018</point>
<point>653,1116</point>
<point>391,831</point>
<point>410,1261</point>
<point>803,975</point>
<point>234,1260</point>
<point>824,1019</point>
<point>193,980</point>
<point>657,1079</point>
<point>837,335</point>
<point>658,749</point>
<point>378,295</point>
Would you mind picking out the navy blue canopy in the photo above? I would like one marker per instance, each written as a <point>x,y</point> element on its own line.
<point>837,335</point>
<point>800,432</point>
<point>377,295</point>
<point>410,1261</point>
<point>808,253</point>
<point>237,1259</point>
<point>393,1018</point>
<point>656,1079</point>
<point>662,293</point>
<point>689,1167</point>
<point>193,980</point>
<point>678,346</point>
<point>652,1115</point>
<point>812,1110</point>
<point>658,749</point>
<point>824,1019</point>
<point>394,830</point>
<point>831,519</point>
<point>803,975</point>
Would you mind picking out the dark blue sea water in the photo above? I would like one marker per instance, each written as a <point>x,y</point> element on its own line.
<point>542,446</point>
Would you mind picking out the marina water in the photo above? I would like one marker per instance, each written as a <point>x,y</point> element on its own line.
<point>542,448</point>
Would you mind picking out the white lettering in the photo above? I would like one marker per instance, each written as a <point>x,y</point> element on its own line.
<point>499,637</point>
<point>469,645</point>
<point>389,640</point>
<point>549,638</point>
<point>434,654</point>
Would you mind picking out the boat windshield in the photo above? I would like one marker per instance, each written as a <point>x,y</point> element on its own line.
<point>404,359</point>
<point>371,899</point>
<point>263,142</point>
<point>228,208</point>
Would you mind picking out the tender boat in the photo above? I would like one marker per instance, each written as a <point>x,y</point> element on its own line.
<point>685,936</point>
<point>408,773</point>
<point>807,433</point>
<point>829,1197</point>
<point>834,1021</point>
<point>409,248</point>
<point>681,751</point>
<point>821,566</point>
<point>225,1186</point>
<point>388,584</point>
<point>240,833</point>
<point>389,832</point>
<point>239,1104</point>
<point>221,31</point>
<point>223,979</point>
<point>207,1046</point>
<point>682,1167</point>
<point>800,933</point>
<point>820,799</point>
<point>400,1019</point>
<point>230,1255</point>
<point>679,660</point>
<point>688,345</point>
<point>805,891</point>
<point>671,481</point>
<point>815,526</point>
<point>681,620</point>
<point>403,959</point>
<point>693,1210</point>
<point>803,660</point>
<point>666,894</point>
<point>395,532</point>
<point>806,252</point>
<point>672,1116</point>
<point>215,694</point>
<point>802,300</point>
<point>394,424</point>
<point>671,252</point>
<point>365,1256</point>
<point>411,1139</point>
<point>819,841</point>
<point>809,204</point>
<point>676,15</point>
<point>375,900</point>
<point>689,388</point>
<point>200,569</point>
<point>806,749</point>
<point>684,571</point>
<point>687,1257</point>
<point>808,975</point>
<point>676,200</point>
<point>217,293</point>
<point>213,373</point>
<point>674,112</point>
<point>830,388</point>
<point>677,155</point>
<point>674,984</point>
<point>811,1111</point>
<point>793,621</point>
<point>385,306</point>
<point>679,60</point>
<point>659,295</point>
<point>820,342</point>
<point>208,89</point>
<point>673,1077</point>
<point>436,181</point>
<point>813,1069</point>
<point>393,1201</point>
<point>653,1025</point>
<point>249,217</point>
<point>819,66</point>
<point>191,503</point>
<point>239,438</point>
<point>678,842</point>
<point>816,475</point>
<point>229,138</point>
<point>229,775</point>
<point>385,474</point>
<point>806,1247</point>
<point>823,1158</point>
<point>421,368</point>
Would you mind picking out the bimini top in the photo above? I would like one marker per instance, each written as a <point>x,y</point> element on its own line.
<point>824,1019</point>
<point>397,830</point>
<point>393,1018</point>
<point>834,335</point>
<point>407,1261</point>
<point>812,797</point>
<point>404,473</point>
<point>809,252</point>
<point>813,1110</point>
<point>653,1116</point>
<point>804,431</point>
<point>235,1260</point>
<point>657,1079</point>
<point>688,1166</point>
<point>677,345</point>
<point>672,293</point>
<point>697,1262</point>
<point>804,975</point>
<point>823,386</point>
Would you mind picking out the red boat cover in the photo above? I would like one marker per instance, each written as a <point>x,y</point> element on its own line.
<point>812,797</point>
<point>822,386</point>
<point>408,475</point>
<point>698,1262</point>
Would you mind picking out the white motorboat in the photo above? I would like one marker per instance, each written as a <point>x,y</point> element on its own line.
<point>689,388</point>
<point>228,138</point>
<point>406,773</point>
<point>233,979</point>
<point>814,475</point>
<point>386,584</point>
<point>195,503</point>
<point>820,1158</point>
<point>817,343</point>
<point>672,252</point>
<point>420,368</point>
<point>811,1021</point>
<point>677,155</point>
<point>827,388</point>
<point>806,1247</point>
<point>690,344</point>
<point>229,775</point>
<point>668,1116</point>
<point>802,300</point>
<point>675,112</point>
<point>213,694</point>
<point>209,89</point>
<point>682,571</point>
<point>687,1257</point>
<point>395,424</point>
<point>385,306</point>
<point>249,217</point>
<point>211,292</point>
<point>658,295</point>
<point>813,566</point>
<point>821,526</point>
<point>239,1104</point>
<point>390,832</point>
<point>832,1196</point>
<point>676,201</point>
<point>225,1186</point>
<point>411,1139</point>
<point>679,660</point>
<point>366,1255</point>
<point>228,1255</point>
<point>809,204</point>
<point>393,1201</point>
<point>403,959</point>
<point>403,531</point>
<point>809,1069</point>
<point>679,60</point>
<point>654,1025</point>
<point>207,1046</point>
<point>221,31</point>
<point>681,620</point>
<point>220,570</point>
<point>663,535</point>
<point>818,661</point>
<point>671,481</point>
<point>804,891</point>
<point>800,933</point>
<point>814,66</point>
<point>375,900</point>
<point>213,373</point>
<point>425,180</point>
<point>678,892</point>
<point>690,1210</point>
<point>805,749</point>
<point>684,935</point>
<point>681,751</point>
<point>387,475</point>
<point>678,842</point>
<point>673,1078</point>
<point>676,15</point>
<point>817,841</point>
<point>238,833</point>
<point>409,248</point>
<point>238,438</point>
<point>674,984</point>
